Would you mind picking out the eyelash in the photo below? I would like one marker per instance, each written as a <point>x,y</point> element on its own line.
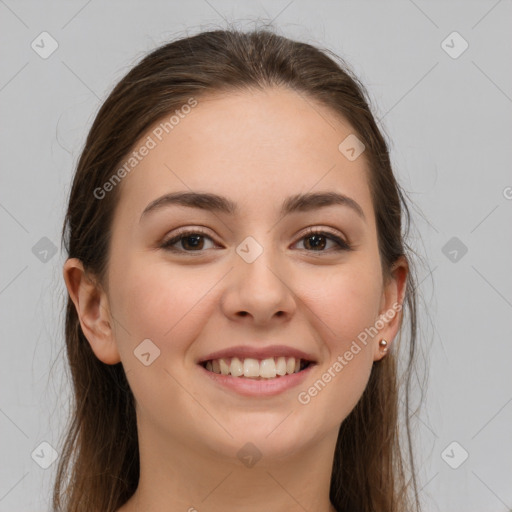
<point>167,245</point>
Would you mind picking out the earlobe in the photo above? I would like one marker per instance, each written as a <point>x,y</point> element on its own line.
<point>391,307</point>
<point>91,304</point>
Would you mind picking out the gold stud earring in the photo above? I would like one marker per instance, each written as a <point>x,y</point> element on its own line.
<point>384,345</point>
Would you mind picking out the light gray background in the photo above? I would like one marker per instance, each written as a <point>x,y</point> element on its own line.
<point>450,126</point>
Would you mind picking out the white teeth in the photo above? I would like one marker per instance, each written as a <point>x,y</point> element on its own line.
<point>251,367</point>
<point>281,366</point>
<point>268,368</point>
<point>236,368</point>
<point>224,367</point>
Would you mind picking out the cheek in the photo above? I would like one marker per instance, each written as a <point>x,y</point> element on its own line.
<point>170,308</point>
<point>347,303</point>
<point>345,309</point>
<point>157,302</point>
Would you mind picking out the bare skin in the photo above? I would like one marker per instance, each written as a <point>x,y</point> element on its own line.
<point>256,149</point>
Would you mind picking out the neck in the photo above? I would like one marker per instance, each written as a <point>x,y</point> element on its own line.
<point>188,478</point>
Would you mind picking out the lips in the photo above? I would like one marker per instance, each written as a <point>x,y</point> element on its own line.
<point>266,384</point>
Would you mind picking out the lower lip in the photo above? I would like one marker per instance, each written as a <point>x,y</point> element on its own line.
<point>264,387</point>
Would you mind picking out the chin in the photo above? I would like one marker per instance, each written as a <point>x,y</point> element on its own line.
<point>263,440</point>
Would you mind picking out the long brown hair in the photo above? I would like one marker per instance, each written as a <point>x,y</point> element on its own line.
<point>99,466</point>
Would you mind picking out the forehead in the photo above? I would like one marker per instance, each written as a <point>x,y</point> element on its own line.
<point>253,146</point>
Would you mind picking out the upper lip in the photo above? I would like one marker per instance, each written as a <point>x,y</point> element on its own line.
<point>244,351</point>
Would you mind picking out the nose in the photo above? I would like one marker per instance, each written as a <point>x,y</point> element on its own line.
<point>260,290</point>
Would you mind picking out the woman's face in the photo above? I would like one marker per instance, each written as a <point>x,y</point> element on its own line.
<point>254,284</point>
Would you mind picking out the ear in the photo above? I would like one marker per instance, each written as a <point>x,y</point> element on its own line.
<point>93,311</point>
<point>392,300</point>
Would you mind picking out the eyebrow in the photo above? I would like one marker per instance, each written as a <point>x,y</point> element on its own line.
<point>221,204</point>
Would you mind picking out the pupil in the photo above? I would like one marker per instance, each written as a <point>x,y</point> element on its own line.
<point>194,244</point>
<point>317,243</point>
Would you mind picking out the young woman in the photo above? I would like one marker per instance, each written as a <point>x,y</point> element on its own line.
<point>237,279</point>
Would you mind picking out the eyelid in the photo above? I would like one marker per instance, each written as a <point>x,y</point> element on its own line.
<point>312,230</point>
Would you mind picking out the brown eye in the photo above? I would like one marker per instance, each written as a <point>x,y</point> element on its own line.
<point>317,241</point>
<point>313,241</point>
<point>191,241</point>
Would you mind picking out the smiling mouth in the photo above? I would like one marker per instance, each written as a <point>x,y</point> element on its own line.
<point>256,369</point>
